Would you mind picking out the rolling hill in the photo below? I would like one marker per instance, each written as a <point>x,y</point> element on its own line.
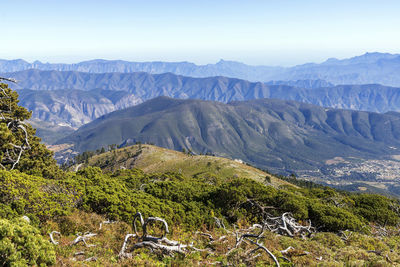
<point>153,159</point>
<point>282,136</point>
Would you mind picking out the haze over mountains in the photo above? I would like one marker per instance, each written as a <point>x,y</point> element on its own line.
<point>74,98</point>
<point>381,68</point>
<point>327,140</point>
<point>74,107</point>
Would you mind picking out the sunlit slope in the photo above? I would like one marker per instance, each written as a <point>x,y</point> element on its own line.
<point>281,136</point>
<point>153,159</point>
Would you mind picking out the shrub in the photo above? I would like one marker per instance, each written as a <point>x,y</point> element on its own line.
<point>330,218</point>
<point>32,195</point>
<point>21,244</point>
<point>375,208</point>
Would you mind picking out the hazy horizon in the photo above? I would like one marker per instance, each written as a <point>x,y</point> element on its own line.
<point>258,32</point>
<point>198,64</point>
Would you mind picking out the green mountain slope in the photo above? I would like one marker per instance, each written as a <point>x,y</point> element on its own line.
<point>153,159</point>
<point>283,136</point>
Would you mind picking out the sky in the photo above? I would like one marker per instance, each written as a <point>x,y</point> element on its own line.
<point>256,32</point>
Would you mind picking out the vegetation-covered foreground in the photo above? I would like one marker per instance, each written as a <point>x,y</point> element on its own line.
<point>52,217</point>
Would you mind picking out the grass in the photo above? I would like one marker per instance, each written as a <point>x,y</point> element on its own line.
<point>323,249</point>
<point>153,159</point>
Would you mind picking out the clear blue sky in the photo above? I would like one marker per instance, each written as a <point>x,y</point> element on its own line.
<point>268,32</point>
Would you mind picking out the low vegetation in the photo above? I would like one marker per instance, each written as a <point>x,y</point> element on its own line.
<point>127,216</point>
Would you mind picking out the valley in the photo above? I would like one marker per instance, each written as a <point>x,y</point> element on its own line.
<point>282,137</point>
<point>63,99</point>
<point>199,133</point>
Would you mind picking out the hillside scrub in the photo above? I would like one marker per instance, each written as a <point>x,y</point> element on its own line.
<point>216,218</point>
<point>22,244</point>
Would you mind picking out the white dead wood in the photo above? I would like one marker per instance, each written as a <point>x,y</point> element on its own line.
<point>219,223</point>
<point>161,244</point>
<point>83,238</point>
<point>261,246</point>
<point>122,253</point>
<point>55,242</point>
<point>8,80</point>
<point>13,152</point>
<point>105,222</point>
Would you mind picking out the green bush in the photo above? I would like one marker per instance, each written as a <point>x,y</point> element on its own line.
<point>375,208</point>
<point>21,245</point>
<point>33,195</point>
<point>331,218</point>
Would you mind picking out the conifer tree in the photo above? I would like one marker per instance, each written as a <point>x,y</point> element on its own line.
<point>19,147</point>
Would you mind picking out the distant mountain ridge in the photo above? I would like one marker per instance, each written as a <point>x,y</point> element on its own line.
<point>75,98</point>
<point>283,136</point>
<point>381,68</point>
<point>74,107</point>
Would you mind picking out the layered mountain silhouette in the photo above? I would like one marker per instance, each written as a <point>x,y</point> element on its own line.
<point>381,68</point>
<point>75,98</point>
<point>283,136</point>
<point>74,107</point>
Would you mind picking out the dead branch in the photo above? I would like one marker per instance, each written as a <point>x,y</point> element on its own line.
<point>90,259</point>
<point>83,238</point>
<point>210,237</point>
<point>261,246</point>
<point>161,244</point>
<point>106,222</point>
<point>345,235</point>
<point>122,253</point>
<point>52,237</point>
<point>287,225</point>
<point>285,251</point>
<point>8,80</point>
<point>139,216</point>
<point>164,248</point>
<point>13,152</point>
<point>155,219</point>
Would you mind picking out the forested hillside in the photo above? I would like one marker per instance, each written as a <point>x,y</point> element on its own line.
<point>130,217</point>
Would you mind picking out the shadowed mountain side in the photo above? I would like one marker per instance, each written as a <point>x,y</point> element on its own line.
<point>283,136</point>
<point>144,86</point>
<point>147,86</point>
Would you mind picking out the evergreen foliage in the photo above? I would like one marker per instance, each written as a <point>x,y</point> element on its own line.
<point>36,159</point>
<point>22,245</point>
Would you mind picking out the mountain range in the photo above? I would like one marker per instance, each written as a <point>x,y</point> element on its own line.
<point>74,107</point>
<point>283,136</point>
<point>381,68</point>
<point>75,98</point>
